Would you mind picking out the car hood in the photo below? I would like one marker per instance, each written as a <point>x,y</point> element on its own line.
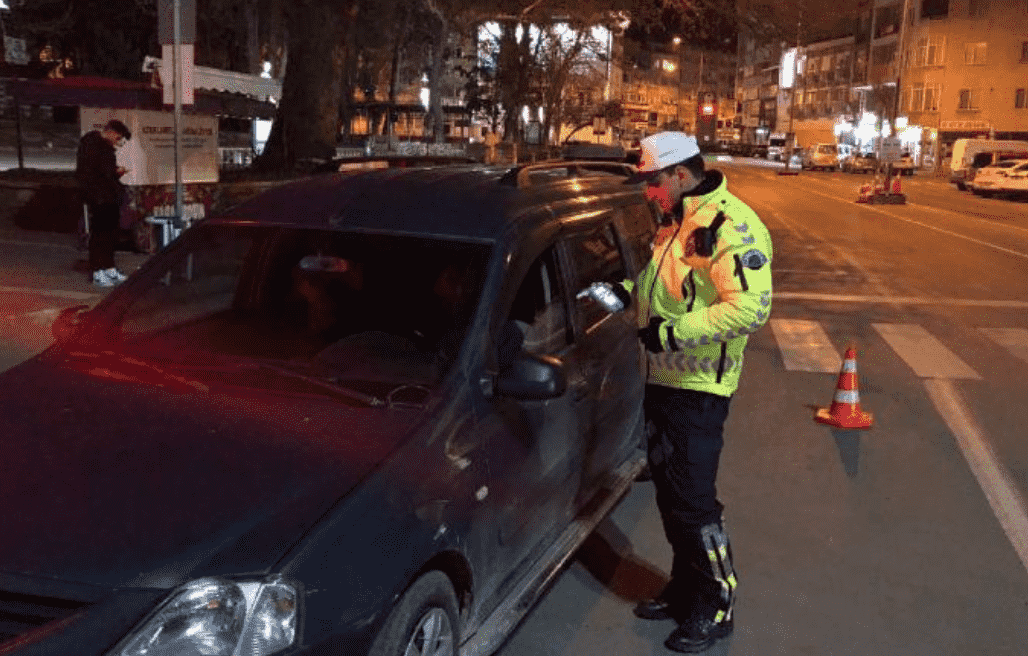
<point>114,478</point>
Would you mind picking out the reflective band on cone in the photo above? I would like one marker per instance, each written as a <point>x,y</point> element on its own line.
<point>845,411</point>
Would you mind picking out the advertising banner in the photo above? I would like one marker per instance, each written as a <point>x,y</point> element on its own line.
<point>150,155</point>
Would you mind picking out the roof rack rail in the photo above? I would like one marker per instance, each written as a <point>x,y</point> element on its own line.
<point>520,176</point>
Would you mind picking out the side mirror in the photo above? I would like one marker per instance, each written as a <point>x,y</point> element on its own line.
<point>533,377</point>
<point>67,322</point>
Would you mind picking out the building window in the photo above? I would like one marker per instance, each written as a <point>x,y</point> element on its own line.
<point>934,8</point>
<point>974,53</point>
<point>916,99</point>
<point>1019,99</point>
<point>968,99</point>
<point>931,98</point>
<point>929,52</point>
<point>978,8</point>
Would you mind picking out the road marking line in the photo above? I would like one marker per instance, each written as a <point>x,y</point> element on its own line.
<point>805,346</point>
<point>872,208</point>
<point>923,352</point>
<point>59,293</point>
<point>941,210</point>
<point>898,300</point>
<point>1014,340</point>
<point>1006,503</point>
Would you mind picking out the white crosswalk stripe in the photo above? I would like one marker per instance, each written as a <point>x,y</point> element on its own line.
<point>925,354</point>
<point>805,346</point>
<point>1014,340</point>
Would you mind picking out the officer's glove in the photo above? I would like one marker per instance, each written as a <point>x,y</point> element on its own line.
<point>650,335</point>
<point>614,298</point>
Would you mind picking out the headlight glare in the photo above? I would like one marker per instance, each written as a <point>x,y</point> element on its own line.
<point>216,617</point>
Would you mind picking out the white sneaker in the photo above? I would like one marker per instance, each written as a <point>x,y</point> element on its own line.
<point>101,279</point>
<point>115,275</point>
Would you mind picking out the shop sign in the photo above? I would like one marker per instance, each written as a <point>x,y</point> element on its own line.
<point>150,155</point>
<point>964,125</point>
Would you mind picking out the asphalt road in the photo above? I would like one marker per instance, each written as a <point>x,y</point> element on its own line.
<point>908,538</point>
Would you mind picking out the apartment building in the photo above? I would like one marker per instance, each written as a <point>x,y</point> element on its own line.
<point>965,74</point>
<point>668,88</point>
<point>757,92</point>
<point>825,105</point>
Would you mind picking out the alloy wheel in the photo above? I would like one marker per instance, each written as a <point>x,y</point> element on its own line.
<point>432,636</point>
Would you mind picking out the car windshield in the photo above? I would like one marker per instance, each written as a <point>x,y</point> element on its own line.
<point>316,303</point>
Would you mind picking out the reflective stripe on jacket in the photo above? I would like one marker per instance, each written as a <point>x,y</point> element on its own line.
<point>711,304</point>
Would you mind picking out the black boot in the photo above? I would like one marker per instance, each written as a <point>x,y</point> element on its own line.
<point>673,601</point>
<point>657,608</point>
<point>700,631</point>
<point>710,616</point>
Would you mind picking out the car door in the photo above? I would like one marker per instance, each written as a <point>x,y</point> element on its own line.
<point>608,351</point>
<point>531,446</point>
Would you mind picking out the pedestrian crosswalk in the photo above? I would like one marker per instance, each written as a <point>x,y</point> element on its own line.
<point>805,346</point>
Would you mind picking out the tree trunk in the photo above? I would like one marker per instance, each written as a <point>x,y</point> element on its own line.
<point>435,84</point>
<point>306,123</point>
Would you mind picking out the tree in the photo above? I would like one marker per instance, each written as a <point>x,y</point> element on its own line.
<point>103,37</point>
<point>306,124</point>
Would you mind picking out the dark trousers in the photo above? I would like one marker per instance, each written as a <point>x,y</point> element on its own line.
<point>104,221</point>
<point>684,451</point>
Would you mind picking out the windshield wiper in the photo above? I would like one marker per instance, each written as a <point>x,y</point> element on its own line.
<point>329,384</point>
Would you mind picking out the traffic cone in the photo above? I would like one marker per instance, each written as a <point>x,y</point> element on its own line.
<point>845,411</point>
<point>896,185</point>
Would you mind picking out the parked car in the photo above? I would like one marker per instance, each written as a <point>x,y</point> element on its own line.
<point>969,155</point>
<point>860,163</point>
<point>823,156</point>
<point>986,180</point>
<point>905,165</point>
<point>360,413</point>
<point>1014,181</point>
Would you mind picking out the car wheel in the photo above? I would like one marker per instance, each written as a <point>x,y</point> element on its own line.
<point>423,623</point>
<point>961,186</point>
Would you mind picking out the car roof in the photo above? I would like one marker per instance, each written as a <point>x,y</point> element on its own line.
<point>468,202</point>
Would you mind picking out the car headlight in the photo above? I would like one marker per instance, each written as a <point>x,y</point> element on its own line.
<point>216,617</point>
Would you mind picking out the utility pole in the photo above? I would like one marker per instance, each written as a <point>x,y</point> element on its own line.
<point>792,95</point>
<point>699,90</point>
<point>176,71</point>
<point>899,76</point>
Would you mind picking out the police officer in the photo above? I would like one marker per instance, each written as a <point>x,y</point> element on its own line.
<point>705,290</point>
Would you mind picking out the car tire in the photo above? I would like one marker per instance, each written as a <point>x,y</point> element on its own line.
<point>961,186</point>
<point>427,611</point>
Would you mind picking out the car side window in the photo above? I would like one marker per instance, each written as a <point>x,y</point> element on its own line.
<point>539,309</point>
<point>640,227</point>
<point>595,257</point>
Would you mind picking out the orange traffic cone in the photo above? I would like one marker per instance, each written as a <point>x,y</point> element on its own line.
<point>896,185</point>
<point>845,411</point>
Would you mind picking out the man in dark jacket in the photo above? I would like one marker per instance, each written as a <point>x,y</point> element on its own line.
<point>99,176</point>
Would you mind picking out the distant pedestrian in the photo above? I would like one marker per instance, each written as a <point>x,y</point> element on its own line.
<point>99,178</point>
<point>491,139</point>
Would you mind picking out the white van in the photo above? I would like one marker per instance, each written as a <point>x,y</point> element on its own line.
<point>969,155</point>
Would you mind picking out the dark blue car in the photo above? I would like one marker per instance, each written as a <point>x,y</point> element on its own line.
<point>364,413</point>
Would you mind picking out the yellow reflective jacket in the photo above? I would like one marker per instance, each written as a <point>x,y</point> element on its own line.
<point>710,305</point>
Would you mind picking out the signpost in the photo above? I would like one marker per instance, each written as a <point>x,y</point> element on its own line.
<point>889,149</point>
